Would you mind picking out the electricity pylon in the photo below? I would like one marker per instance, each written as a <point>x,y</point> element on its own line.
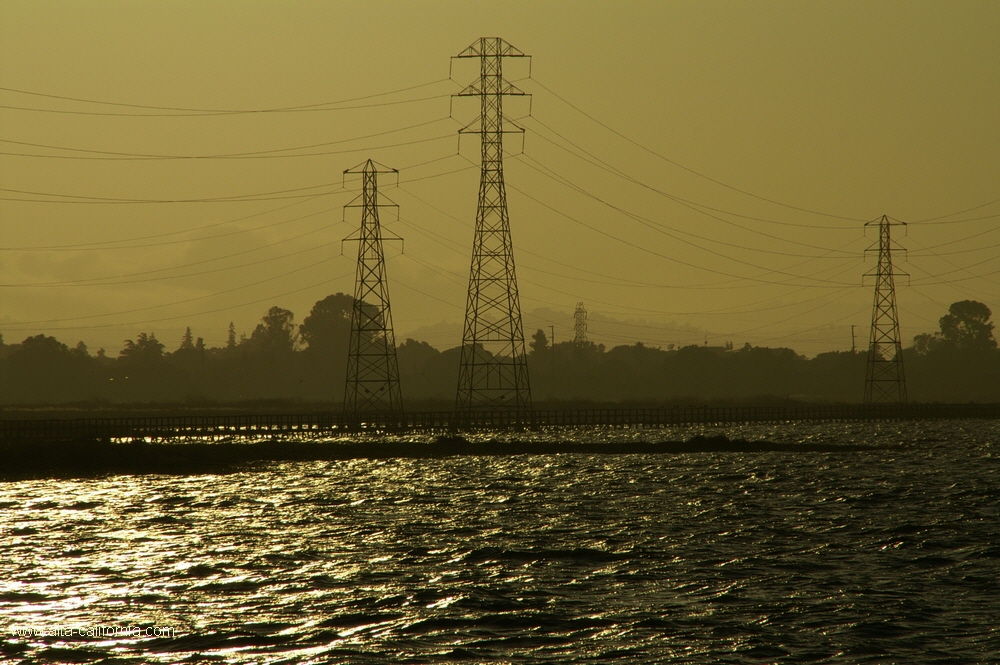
<point>493,373</point>
<point>372,370</point>
<point>580,325</point>
<point>885,381</point>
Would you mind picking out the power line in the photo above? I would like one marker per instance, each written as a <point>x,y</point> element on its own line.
<point>255,152</point>
<point>605,278</point>
<point>846,292</point>
<point>452,277</point>
<point>960,212</point>
<point>658,254</point>
<point>966,269</point>
<point>455,278</point>
<point>444,241</point>
<point>438,175</point>
<point>685,168</point>
<point>114,244</point>
<point>923,295</point>
<point>178,302</point>
<point>552,174</point>
<point>133,157</point>
<point>799,333</point>
<point>957,221</point>
<point>410,287</point>
<point>964,291</point>
<point>204,312</point>
<point>222,111</point>
<point>930,250</point>
<point>426,162</point>
<point>936,278</point>
<point>448,242</point>
<point>596,161</point>
<point>143,276</point>
<point>11,107</point>
<point>660,228</point>
<point>911,314</point>
<point>261,196</point>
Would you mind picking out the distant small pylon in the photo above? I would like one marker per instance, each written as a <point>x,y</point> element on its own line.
<point>372,369</point>
<point>580,325</point>
<point>885,381</point>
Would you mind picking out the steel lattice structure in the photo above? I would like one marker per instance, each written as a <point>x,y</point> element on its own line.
<point>580,324</point>
<point>885,381</point>
<point>493,373</point>
<point>372,369</point>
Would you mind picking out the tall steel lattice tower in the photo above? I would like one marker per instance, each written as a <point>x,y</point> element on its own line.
<point>580,324</point>
<point>372,370</point>
<point>494,371</point>
<point>885,381</point>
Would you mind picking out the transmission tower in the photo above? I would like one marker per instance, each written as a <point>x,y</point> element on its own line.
<point>580,326</point>
<point>885,382</point>
<point>372,370</point>
<point>493,373</point>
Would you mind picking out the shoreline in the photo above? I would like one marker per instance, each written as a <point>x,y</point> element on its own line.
<point>87,458</point>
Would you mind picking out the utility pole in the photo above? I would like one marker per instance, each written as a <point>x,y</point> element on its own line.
<point>493,373</point>
<point>552,348</point>
<point>372,370</point>
<point>854,346</point>
<point>885,381</point>
<point>580,324</point>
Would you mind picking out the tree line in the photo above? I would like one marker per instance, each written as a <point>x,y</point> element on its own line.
<point>307,362</point>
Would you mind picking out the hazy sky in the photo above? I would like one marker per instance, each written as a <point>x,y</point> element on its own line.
<point>690,170</point>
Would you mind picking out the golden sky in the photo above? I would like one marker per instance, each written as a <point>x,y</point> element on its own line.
<point>689,170</point>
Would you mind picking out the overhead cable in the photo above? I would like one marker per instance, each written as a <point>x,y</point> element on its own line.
<point>685,168</point>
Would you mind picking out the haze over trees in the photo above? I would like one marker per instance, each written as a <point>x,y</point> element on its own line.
<point>307,362</point>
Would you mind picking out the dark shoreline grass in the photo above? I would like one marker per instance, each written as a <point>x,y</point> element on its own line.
<point>22,460</point>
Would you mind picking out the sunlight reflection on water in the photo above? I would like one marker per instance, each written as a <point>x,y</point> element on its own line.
<point>687,558</point>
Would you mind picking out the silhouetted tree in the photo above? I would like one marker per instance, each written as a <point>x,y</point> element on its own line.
<point>268,367</point>
<point>422,374</point>
<point>188,365</point>
<point>44,370</point>
<point>187,341</point>
<point>145,349</point>
<point>967,326</point>
<point>539,343</point>
<point>959,363</point>
<point>835,375</point>
<point>327,329</point>
<point>140,374</point>
<point>326,333</point>
<point>275,334</point>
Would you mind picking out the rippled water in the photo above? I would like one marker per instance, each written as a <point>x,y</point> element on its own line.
<point>890,555</point>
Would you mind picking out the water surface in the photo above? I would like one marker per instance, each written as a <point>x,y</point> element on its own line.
<point>878,556</point>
